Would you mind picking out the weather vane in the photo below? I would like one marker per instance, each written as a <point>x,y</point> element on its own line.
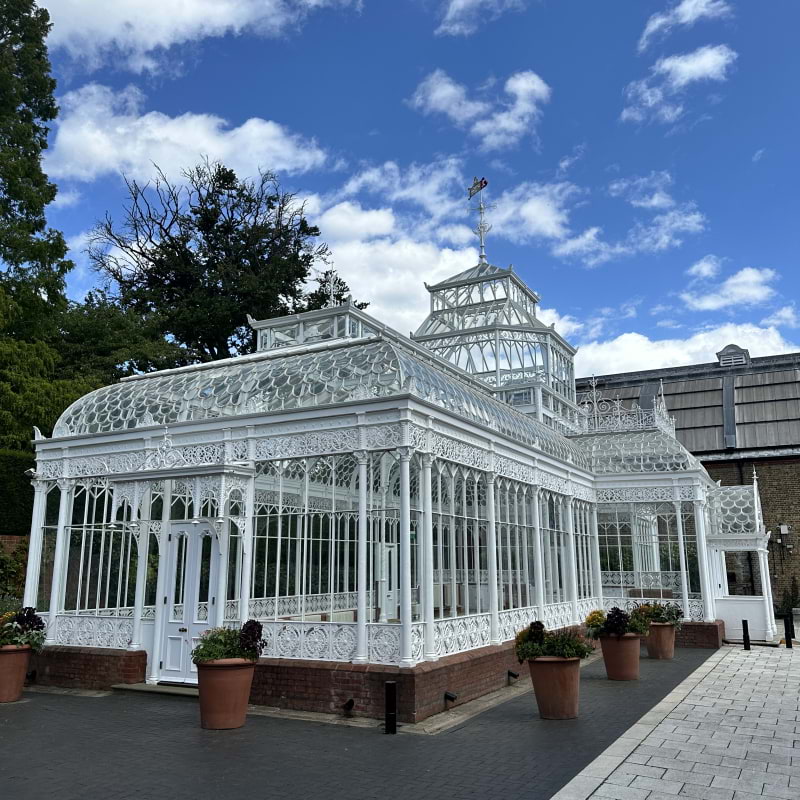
<point>478,185</point>
<point>327,282</point>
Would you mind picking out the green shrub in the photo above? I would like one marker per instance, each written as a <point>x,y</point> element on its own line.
<point>16,492</point>
<point>216,643</point>
<point>534,642</point>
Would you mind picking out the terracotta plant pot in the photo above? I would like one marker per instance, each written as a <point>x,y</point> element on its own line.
<point>556,684</point>
<point>661,641</point>
<point>621,656</point>
<point>224,691</point>
<point>13,668</point>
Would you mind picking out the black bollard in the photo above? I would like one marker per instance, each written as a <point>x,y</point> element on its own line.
<point>390,714</point>
<point>787,631</point>
<point>746,634</point>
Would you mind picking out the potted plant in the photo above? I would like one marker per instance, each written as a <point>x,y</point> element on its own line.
<point>662,621</point>
<point>21,633</point>
<point>619,634</point>
<point>554,662</point>
<point>226,659</point>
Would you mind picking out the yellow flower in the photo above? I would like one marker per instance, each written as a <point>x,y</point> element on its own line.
<point>595,619</point>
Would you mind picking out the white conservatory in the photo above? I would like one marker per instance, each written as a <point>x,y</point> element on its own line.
<point>373,498</point>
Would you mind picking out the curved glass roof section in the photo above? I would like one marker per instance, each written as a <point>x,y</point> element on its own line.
<point>376,368</point>
<point>639,451</point>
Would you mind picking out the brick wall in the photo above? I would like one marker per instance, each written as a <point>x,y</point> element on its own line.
<point>701,634</point>
<point>10,543</point>
<point>87,667</point>
<point>779,487</point>
<point>327,686</point>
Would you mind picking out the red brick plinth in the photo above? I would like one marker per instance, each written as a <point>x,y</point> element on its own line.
<point>87,667</point>
<point>701,634</point>
<point>327,686</point>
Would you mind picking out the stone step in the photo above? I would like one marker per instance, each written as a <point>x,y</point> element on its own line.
<point>178,690</point>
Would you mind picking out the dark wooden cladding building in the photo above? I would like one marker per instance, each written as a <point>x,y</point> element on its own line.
<point>736,415</point>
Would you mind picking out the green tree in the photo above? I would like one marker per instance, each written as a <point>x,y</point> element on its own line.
<point>29,249</point>
<point>32,256</point>
<point>191,260</point>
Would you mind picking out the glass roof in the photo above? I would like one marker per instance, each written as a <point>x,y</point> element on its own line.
<point>378,368</point>
<point>482,270</point>
<point>639,451</point>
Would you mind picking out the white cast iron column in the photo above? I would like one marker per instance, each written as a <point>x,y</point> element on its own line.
<point>763,566</point>
<point>65,485</point>
<point>491,552</point>
<point>222,528</point>
<point>682,561</point>
<point>429,651</point>
<point>142,534</point>
<point>161,610</point>
<point>406,648</point>
<point>142,548</point>
<point>361,616</point>
<point>597,572</point>
<point>31,594</point>
<point>246,576</point>
<point>538,562</point>
<point>572,569</point>
<point>702,560</point>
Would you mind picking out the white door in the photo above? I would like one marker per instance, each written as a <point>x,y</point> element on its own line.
<point>190,598</point>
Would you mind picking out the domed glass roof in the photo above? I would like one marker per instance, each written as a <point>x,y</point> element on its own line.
<point>637,451</point>
<point>336,373</point>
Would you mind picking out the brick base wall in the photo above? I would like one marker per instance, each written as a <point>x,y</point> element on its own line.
<point>327,686</point>
<point>87,667</point>
<point>701,634</point>
<point>10,543</point>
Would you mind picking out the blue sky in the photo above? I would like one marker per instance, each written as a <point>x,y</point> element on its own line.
<point>641,154</point>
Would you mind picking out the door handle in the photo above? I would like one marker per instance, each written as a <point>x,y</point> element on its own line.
<point>182,630</point>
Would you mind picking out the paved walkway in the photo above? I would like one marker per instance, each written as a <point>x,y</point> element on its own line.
<point>146,747</point>
<point>731,731</point>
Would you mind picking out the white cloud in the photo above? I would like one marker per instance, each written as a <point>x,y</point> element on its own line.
<point>389,272</point>
<point>635,351</point>
<point>686,12</point>
<point>463,17</point>
<point>138,32</point>
<point>565,324</point>
<point>438,187</point>
<point>66,198</point>
<point>662,232</point>
<point>347,221</point>
<point>707,267</point>
<point>499,124</point>
<point>758,155</point>
<point>649,191</point>
<point>785,317</point>
<point>747,287</point>
<point>666,230</point>
<point>506,127</point>
<point>589,248</point>
<point>101,132</point>
<point>709,63</point>
<point>658,97</point>
<point>439,93</point>
<point>533,211</point>
<point>567,162</point>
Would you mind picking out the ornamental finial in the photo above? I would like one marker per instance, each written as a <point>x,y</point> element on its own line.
<point>478,185</point>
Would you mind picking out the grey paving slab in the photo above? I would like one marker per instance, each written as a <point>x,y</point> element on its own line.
<point>730,753</point>
<point>148,746</point>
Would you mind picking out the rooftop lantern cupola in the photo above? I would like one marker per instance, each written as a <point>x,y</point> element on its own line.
<point>483,320</point>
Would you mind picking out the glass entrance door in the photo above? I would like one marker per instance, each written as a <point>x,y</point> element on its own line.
<point>191,588</point>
